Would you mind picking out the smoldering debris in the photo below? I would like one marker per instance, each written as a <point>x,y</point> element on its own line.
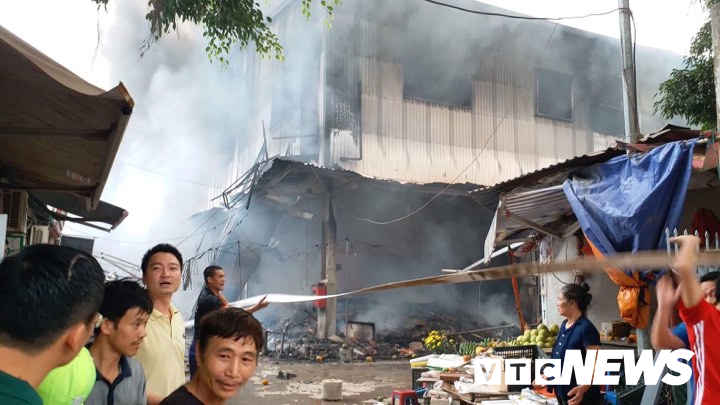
<point>299,340</point>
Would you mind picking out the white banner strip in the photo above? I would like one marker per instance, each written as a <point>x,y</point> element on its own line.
<point>638,261</point>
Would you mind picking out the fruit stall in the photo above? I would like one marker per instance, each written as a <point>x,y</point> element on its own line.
<point>447,373</point>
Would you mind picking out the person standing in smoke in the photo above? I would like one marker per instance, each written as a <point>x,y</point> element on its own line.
<point>211,299</point>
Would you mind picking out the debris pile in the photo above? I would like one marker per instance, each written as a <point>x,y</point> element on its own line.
<point>297,339</point>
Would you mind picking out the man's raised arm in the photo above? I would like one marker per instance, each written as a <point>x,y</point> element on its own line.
<point>685,267</point>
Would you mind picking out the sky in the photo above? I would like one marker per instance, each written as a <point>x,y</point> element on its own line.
<point>158,176</point>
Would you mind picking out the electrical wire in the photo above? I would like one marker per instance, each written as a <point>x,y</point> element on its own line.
<point>520,17</point>
<point>119,264</point>
<point>558,278</point>
<point>198,228</point>
<point>216,248</point>
<point>492,135</point>
<point>165,175</point>
<point>156,240</point>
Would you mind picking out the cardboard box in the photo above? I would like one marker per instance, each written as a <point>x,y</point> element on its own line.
<point>616,329</point>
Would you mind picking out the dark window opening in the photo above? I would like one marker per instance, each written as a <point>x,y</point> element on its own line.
<point>433,72</point>
<point>607,120</point>
<point>553,95</point>
<point>438,88</point>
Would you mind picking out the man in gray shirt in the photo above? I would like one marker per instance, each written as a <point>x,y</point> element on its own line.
<point>125,311</point>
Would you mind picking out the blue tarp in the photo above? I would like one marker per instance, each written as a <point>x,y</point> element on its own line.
<point>626,203</point>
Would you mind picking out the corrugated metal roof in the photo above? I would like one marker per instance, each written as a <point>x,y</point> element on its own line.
<point>538,210</point>
<point>286,170</point>
<point>518,211</point>
<point>489,196</point>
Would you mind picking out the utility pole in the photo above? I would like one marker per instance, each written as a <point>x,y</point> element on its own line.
<point>632,127</point>
<point>715,28</point>
<point>327,317</point>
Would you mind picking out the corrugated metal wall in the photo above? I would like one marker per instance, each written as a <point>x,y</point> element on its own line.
<point>497,138</point>
<point>422,142</point>
<point>376,131</point>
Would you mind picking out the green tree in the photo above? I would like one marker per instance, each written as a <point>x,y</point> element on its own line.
<point>225,23</point>
<point>690,92</point>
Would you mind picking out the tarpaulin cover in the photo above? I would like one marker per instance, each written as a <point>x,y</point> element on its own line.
<point>626,203</point>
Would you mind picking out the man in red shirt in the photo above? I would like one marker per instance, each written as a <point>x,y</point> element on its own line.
<point>703,322</point>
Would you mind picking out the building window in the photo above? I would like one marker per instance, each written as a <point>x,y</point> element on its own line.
<point>553,95</point>
<point>607,120</point>
<point>439,87</point>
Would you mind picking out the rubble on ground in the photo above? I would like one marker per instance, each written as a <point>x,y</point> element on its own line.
<point>298,340</point>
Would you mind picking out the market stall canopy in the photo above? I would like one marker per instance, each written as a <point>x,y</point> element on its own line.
<point>627,203</point>
<point>538,197</point>
<point>541,211</point>
<point>58,134</point>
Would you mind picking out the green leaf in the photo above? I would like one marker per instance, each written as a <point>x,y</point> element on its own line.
<point>227,25</point>
<point>690,92</point>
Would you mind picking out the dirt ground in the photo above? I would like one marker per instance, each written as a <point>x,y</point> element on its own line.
<point>361,382</point>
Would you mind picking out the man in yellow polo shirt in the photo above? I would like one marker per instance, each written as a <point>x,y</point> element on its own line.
<point>162,353</point>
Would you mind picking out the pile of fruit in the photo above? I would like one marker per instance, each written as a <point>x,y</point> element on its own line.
<point>542,336</point>
<point>467,348</point>
<point>439,343</point>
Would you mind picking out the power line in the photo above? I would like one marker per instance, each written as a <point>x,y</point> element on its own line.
<point>199,255</point>
<point>141,241</point>
<point>492,135</point>
<point>165,175</point>
<point>521,17</point>
<point>159,240</point>
<point>201,225</point>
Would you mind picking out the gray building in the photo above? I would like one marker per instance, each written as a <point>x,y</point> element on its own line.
<point>415,92</point>
<point>398,101</point>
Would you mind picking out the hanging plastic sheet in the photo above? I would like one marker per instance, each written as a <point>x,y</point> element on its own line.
<point>624,205</point>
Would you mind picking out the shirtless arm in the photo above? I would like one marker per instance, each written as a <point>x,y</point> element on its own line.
<point>685,266</point>
<point>661,335</point>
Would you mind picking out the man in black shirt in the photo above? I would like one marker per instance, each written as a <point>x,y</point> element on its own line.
<point>210,299</point>
<point>228,343</point>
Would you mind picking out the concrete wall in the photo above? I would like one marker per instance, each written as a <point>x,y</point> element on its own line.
<point>604,303</point>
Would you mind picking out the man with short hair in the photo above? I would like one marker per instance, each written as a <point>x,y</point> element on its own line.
<point>662,336</point>
<point>702,319</point>
<point>211,299</point>
<point>162,353</point>
<point>227,353</point>
<point>125,311</point>
<point>708,286</point>
<point>49,299</point>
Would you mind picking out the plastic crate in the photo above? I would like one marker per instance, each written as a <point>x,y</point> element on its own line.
<point>632,394</point>
<point>417,373</point>
<point>531,352</point>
